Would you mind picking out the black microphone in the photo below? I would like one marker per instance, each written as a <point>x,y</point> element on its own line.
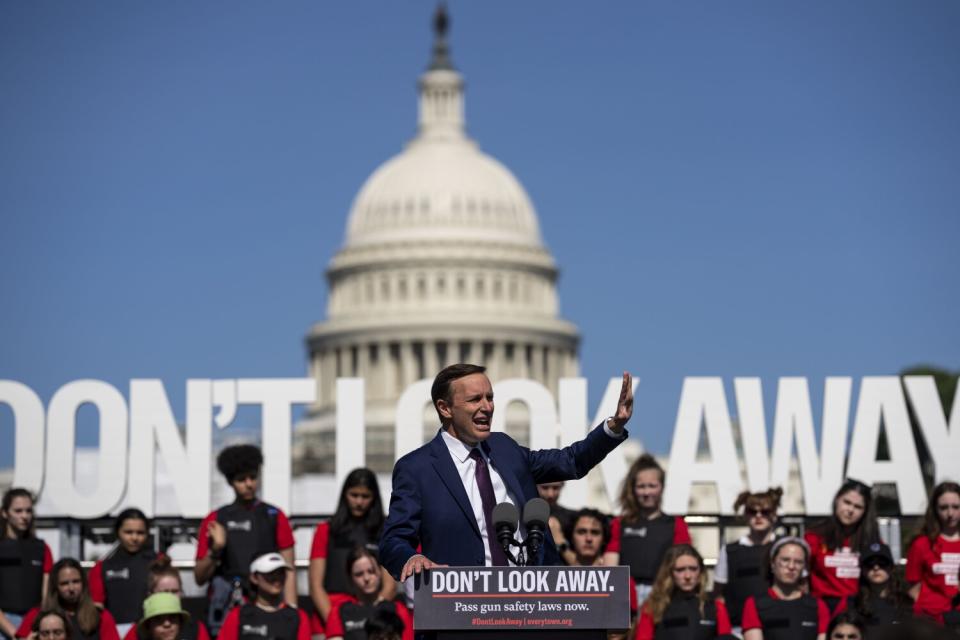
<point>535,515</point>
<point>505,517</point>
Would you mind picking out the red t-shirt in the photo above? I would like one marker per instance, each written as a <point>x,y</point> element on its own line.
<point>646,628</point>
<point>231,625</point>
<point>321,539</point>
<point>681,534</point>
<point>202,633</point>
<point>833,574</point>
<point>335,623</point>
<point>284,533</point>
<point>108,626</point>
<point>751,619</point>
<point>935,567</point>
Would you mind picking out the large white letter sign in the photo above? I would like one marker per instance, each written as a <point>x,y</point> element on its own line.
<point>112,466</point>
<point>882,402</point>
<point>277,397</point>
<point>539,401</point>
<point>151,421</point>
<point>28,432</point>
<point>753,432</point>
<point>820,475</point>
<point>410,409</point>
<point>943,441</point>
<point>702,399</point>
<point>350,431</point>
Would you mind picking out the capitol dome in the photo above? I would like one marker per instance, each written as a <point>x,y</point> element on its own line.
<point>442,262</point>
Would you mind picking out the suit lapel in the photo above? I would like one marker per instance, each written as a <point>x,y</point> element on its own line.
<point>445,468</point>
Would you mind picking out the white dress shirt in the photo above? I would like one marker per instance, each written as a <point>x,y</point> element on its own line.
<point>467,469</point>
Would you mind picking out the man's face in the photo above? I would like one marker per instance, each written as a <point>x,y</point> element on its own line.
<point>469,411</point>
<point>550,491</point>
<point>245,485</point>
<point>587,537</point>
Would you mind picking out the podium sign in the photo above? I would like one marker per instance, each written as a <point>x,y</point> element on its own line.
<point>522,598</point>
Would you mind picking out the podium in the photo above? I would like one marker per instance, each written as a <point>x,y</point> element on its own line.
<point>527,603</point>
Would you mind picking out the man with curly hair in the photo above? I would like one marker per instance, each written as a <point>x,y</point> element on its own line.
<point>233,535</point>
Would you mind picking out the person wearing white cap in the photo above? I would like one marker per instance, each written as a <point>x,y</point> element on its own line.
<point>268,616</point>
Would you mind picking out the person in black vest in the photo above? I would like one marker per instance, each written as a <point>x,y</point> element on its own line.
<point>786,611</point>
<point>50,625</point>
<point>268,616</point>
<point>847,626</point>
<point>69,595</point>
<point>25,561</point>
<point>882,599</point>
<point>641,535</point>
<point>162,577</point>
<point>230,537</point>
<point>357,521</point>
<point>679,606</point>
<point>348,618</point>
<point>163,618</point>
<point>118,582</point>
<point>741,565</point>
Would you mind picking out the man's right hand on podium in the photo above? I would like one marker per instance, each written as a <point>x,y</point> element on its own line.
<point>416,564</point>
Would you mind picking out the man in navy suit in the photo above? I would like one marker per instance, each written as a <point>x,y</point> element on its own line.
<point>444,491</point>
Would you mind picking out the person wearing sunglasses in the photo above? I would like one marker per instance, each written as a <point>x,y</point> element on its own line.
<point>836,541</point>
<point>163,618</point>
<point>882,600</point>
<point>268,615</point>
<point>162,577</point>
<point>786,611</point>
<point>739,573</point>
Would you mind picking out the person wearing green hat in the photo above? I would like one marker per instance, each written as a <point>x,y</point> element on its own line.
<point>163,617</point>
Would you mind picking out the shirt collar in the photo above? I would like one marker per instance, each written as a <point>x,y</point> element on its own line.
<point>459,449</point>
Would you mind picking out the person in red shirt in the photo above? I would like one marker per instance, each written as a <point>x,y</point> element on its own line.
<point>357,521</point>
<point>69,595</point>
<point>162,577</point>
<point>679,606</point>
<point>348,617</point>
<point>786,612</point>
<point>934,556</point>
<point>268,616</point>
<point>835,544</point>
<point>25,560</point>
<point>118,582</point>
<point>642,533</point>
<point>233,535</point>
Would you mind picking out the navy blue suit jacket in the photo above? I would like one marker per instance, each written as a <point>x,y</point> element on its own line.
<point>429,505</point>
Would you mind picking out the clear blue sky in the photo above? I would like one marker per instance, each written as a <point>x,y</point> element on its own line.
<point>731,189</point>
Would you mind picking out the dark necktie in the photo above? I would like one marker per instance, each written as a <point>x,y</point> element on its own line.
<point>485,486</point>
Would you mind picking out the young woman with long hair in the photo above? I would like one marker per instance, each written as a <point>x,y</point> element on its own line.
<point>934,556</point>
<point>162,577</point>
<point>25,560</point>
<point>348,617</point>
<point>118,582</point>
<point>882,601</point>
<point>835,543</point>
<point>740,570</point>
<point>679,606</point>
<point>69,595</point>
<point>642,533</point>
<point>786,611</point>
<point>357,521</point>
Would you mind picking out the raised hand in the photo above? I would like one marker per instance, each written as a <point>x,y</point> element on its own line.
<point>624,405</point>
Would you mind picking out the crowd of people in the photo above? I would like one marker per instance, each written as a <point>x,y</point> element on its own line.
<point>839,581</point>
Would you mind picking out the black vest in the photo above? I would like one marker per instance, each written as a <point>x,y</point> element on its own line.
<point>21,574</point>
<point>788,619</point>
<point>249,532</point>
<point>125,583</point>
<point>77,634</point>
<point>354,616</point>
<point>339,545</point>
<point>257,624</point>
<point>643,544</point>
<point>882,612</point>
<point>951,619</point>
<point>745,577</point>
<point>682,620</point>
